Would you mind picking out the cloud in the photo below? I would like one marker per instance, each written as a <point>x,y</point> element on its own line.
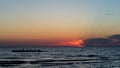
<point>117,37</point>
<point>97,41</point>
<point>113,40</point>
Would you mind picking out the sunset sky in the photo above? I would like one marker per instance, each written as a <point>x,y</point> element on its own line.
<point>58,20</point>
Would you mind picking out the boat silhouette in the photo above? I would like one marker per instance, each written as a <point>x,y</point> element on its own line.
<point>27,50</point>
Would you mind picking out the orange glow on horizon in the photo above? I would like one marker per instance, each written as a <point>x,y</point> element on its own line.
<point>72,43</point>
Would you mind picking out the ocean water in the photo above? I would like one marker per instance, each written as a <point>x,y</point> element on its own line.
<point>61,57</point>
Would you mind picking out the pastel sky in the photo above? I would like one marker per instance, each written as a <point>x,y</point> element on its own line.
<point>58,19</point>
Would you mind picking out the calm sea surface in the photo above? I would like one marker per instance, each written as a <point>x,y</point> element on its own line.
<point>61,57</point>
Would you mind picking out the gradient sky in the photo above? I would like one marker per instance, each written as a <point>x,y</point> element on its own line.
<point>58,19</point>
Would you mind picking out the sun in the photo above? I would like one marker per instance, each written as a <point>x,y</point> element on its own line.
<point>72,43</point>
<point>76,42</point>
